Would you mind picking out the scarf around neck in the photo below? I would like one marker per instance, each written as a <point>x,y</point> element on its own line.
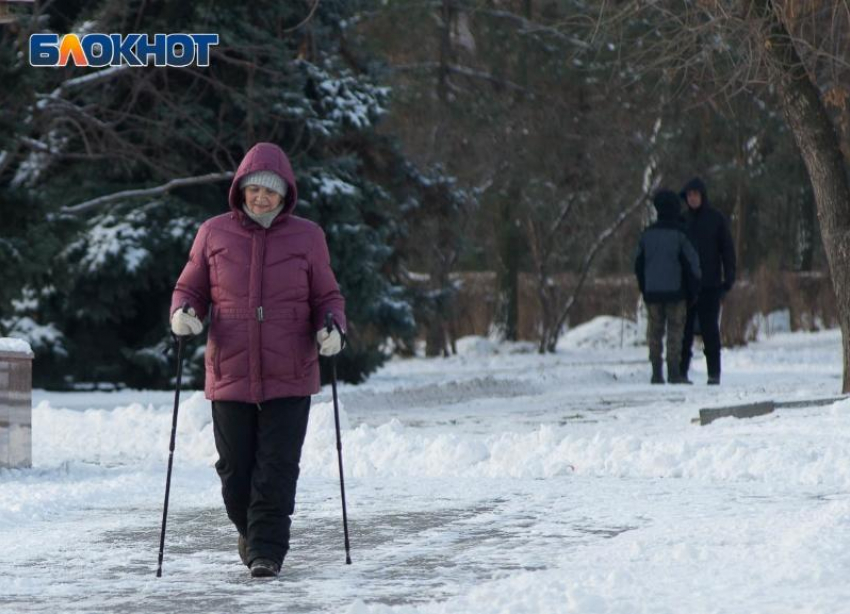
<point>263,219</point>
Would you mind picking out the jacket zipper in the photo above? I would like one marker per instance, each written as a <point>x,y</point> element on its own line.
<point>260,267</point>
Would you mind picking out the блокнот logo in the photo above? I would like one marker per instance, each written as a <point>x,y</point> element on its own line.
<point>98,50</point>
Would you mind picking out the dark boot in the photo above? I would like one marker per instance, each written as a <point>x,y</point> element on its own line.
<point>264,568</point>
<point>674,376</point>
<point>713,363</point>
<point>657,374</point>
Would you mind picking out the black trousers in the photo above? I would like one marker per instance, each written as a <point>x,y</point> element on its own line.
<point>259,449</point>
<point>707,311</point>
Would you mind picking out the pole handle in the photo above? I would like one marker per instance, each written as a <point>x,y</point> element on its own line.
<point>174,336</point>
<point>331,323</point>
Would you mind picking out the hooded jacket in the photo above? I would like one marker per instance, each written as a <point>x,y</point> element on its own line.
<point>708,230</point>
<point>266,292</point>
<point>666,265</point>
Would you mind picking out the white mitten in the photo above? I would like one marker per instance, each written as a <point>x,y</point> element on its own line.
<point>330,343</point>
<point>185,323</point>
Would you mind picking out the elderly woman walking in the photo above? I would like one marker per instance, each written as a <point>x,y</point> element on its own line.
<point>263,276</point>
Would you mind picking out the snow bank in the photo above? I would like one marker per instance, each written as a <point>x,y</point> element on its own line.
<point>787,447</point>
<point>768,450</point>
<point>15,346</point>
<point>132,434</point>
<point>475,346</point>
<point>602,332</point>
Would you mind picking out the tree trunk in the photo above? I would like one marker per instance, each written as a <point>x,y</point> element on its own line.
<point>806,237</point>
<point>820,149</point>
<point>509,232</point>
<point>547,310</point>
<point>446,18</point>
<point>740,206</point>
<point>509,253</point>
<point>435,339</point>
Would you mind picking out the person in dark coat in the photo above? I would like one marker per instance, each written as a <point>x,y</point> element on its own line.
<point>263,275</point>
<point>668,273</point>
<point>708,230</point>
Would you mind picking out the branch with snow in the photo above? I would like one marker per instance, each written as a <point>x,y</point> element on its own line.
<point>89,79</point>
<point>30,167</point>
<point>155,191</point>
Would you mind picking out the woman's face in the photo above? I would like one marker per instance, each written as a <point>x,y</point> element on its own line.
<point>261,200</point>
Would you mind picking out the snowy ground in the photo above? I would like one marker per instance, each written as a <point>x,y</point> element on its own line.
<point>492,482</point>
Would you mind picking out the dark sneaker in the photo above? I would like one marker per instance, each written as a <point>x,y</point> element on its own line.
<point>243,549</point>
<point>264,568</point>
<point>713,380</point>
<point>681,379</point>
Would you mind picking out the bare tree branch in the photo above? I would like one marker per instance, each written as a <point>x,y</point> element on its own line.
<point>183,182</point>
<point>556,227</point>
<point>466,71</point>
<point>600,241</point>
<point>532,27</point>
<point>306,20</point>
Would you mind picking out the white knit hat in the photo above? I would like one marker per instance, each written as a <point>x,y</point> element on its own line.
<point>266,179</point>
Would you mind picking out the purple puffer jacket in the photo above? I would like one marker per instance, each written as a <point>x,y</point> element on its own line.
<point>267,293</point>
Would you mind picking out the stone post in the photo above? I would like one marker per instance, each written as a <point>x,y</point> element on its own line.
<point>15,403</point>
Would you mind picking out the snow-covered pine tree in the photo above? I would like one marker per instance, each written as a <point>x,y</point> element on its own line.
<point>275,76</point>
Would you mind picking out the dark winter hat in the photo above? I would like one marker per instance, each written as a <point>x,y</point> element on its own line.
<point>266,179</point>
<point>666,203</point>
<point>696,184</point>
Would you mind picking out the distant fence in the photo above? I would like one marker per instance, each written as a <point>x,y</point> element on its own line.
<point>807,298</point>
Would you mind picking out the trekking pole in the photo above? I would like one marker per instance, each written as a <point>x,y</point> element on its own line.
<point>179,339</point>
<point>329,324</point>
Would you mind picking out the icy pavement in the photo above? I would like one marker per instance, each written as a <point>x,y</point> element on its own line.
<point>494,481</point>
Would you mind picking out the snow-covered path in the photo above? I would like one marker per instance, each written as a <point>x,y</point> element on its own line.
<point>488,482</point>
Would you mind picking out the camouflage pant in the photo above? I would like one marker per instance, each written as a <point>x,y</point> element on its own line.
<point>669,315</point>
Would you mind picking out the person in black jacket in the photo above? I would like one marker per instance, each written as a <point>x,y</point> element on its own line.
<point>668,273</point>
<point>708,230</point>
